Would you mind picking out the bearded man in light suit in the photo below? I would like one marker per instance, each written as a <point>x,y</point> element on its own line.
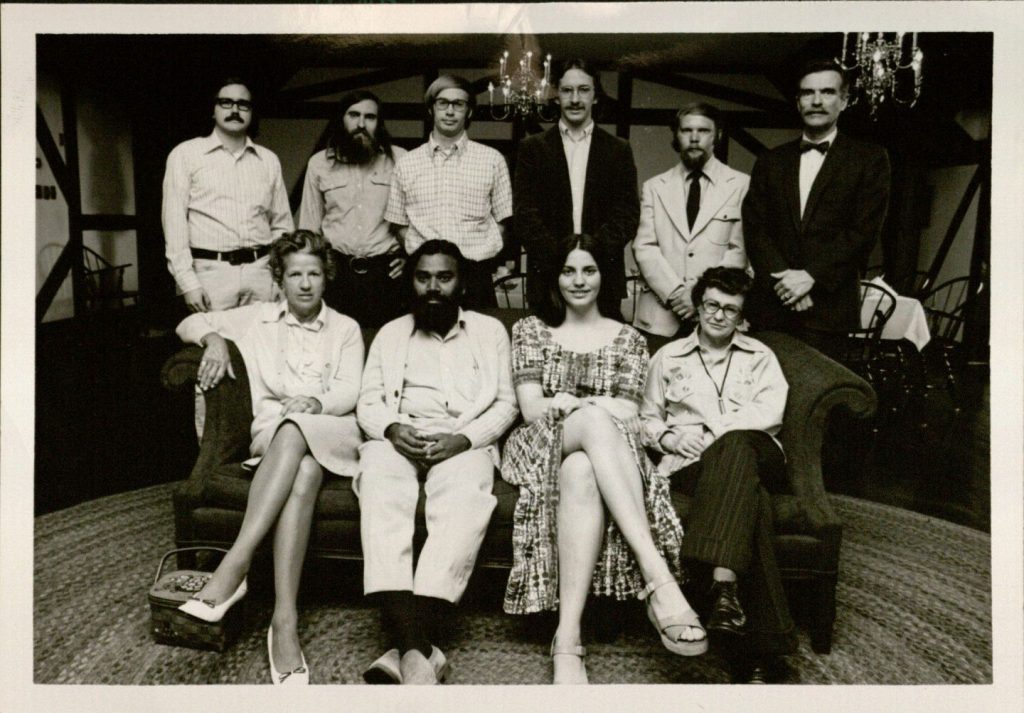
<point>689,221</point>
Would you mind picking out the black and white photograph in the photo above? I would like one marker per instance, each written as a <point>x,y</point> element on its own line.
<point>502,348</point>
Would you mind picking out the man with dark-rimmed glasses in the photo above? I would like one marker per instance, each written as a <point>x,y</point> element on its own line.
<point>224,202</point>
<point>454,189</point>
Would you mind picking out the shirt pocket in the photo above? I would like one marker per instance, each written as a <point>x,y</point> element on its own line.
<point>337,191</point>
<point>722,224</point>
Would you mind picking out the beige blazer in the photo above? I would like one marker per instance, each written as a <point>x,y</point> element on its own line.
<point>669,254</point>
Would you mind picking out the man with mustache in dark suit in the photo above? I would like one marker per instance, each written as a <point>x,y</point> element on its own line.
<point>575,178</point>
<point>813,213</point>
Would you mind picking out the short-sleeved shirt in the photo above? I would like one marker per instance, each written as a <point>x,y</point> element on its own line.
<point>617,369</point>
<point>459,195</point>
<point>346,202</point>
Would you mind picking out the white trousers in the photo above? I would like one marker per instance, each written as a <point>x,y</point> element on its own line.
<point>230,285</point>
<point>458,509</point>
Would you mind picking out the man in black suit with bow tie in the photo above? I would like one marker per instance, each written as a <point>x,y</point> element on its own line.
<point>813,213</point>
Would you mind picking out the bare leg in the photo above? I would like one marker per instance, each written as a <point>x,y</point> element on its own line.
<point>290,540</point>
<point>270,488</point>
<point>592,430</point>
<point>580,529</point>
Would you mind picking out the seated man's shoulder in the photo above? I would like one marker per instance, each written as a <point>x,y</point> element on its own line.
<point>482,321</point>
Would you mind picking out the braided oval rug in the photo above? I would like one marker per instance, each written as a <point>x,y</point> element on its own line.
<point>914,608</point>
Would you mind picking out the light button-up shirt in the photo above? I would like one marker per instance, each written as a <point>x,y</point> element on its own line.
<point>680,396</point>
<point>577,155</point>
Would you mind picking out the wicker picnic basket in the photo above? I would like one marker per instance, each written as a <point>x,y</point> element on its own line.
<point>170,626</point>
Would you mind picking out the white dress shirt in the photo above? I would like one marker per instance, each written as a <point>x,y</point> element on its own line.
<point>577,152</point>
<point>810,164</point>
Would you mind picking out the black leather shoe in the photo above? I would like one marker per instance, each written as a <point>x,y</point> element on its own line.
<point>758,674</point>
<point>726,613</point>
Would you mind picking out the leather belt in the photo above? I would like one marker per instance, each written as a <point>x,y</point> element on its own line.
<point>241,256</point>
<point>362,265</point>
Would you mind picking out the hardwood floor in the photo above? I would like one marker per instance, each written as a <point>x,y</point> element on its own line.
<point>104,424</point>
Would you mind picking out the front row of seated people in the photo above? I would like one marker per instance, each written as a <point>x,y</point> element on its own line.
<point>440,387</point>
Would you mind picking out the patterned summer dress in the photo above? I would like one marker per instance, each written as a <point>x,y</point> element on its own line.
<point>533,456</point>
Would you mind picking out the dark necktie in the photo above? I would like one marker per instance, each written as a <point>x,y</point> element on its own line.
<point>693,198</point>
<point>806,146</point>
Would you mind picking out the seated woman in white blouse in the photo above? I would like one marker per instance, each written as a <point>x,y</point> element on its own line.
<point>713,405</point>
<point>304,363</point>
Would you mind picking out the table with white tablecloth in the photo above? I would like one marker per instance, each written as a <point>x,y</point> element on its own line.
<point>908,320</point>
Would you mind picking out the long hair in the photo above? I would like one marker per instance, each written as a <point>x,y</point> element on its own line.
<point>552,309</point>
<point>300,241</point>
<point>340,138</point>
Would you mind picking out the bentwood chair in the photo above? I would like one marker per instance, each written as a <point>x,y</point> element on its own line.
<point>946,308</point>
<point>510,291</point>
<point>104,283</point>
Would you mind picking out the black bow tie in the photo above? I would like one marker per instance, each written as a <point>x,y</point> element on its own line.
<point>806,146</point>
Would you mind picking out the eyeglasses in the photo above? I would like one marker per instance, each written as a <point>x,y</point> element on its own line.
<point>710,308</point>
<point>242,104</point>
<point>443,104</point>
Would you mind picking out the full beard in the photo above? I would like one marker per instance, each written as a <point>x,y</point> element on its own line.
<point>435,313</point>
<point>692,162</point>
<point>359,148</point>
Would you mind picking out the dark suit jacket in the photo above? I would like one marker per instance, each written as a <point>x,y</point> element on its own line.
<point>841,223</point>
<point>543,202</point>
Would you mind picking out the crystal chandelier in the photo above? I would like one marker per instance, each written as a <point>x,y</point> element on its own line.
<point>521,92</point>
<point>882,64</point>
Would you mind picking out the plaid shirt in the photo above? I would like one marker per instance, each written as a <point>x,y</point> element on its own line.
<point>217,201</point>
<point>458,195</point>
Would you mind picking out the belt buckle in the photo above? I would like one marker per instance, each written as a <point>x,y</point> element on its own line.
<point>359,265</point>
<point>242,256</point>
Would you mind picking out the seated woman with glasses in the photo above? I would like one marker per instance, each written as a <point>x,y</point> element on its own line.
<point>304,362</point>
<point>592,514</point>
<point>712,407</point>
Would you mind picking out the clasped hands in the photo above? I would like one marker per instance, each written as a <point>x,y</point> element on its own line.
<point>686,443</point>
<point>425,448</point>
<point>679,303</point>
<point>793,288</point>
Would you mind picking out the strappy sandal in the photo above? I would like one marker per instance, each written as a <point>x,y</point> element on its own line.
<point>577,650</point>
<point>683,647</point>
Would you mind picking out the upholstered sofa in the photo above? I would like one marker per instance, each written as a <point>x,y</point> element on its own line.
<point>208,506</point>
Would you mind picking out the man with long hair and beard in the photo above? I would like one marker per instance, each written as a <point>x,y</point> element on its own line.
<point>343,197</point>
<point>436,396</point>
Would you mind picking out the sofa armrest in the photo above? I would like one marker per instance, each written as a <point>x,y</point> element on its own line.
<point>228,413</point>
<point>816,386</point>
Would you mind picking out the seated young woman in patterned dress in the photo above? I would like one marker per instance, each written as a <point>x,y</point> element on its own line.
<point>304,363</point>
<point>579,378</point>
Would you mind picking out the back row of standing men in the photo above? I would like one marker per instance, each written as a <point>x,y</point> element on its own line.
<point>805,221</point>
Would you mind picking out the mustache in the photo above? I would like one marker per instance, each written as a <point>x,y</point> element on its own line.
<point>234,117</point>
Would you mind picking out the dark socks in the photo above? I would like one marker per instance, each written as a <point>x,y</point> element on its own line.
<point>410,621</point>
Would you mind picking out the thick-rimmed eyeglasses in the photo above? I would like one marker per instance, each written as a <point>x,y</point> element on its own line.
<point>710,308</point>
<point>458,104</point>
<point>242,104</point>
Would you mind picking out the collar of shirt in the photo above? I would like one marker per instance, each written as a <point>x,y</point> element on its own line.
<point>460,324</point>
<point>314,325</point>
<point>213,142</point>
<point>563,129</point>
<point>830,138</point>
<point>459,146</point>
<point>690,343</point>
<point>709,169</point>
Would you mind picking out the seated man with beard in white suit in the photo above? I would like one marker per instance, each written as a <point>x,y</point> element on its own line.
<point>689,221</point>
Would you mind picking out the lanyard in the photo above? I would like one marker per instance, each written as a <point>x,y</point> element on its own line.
<point>718,388</point>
